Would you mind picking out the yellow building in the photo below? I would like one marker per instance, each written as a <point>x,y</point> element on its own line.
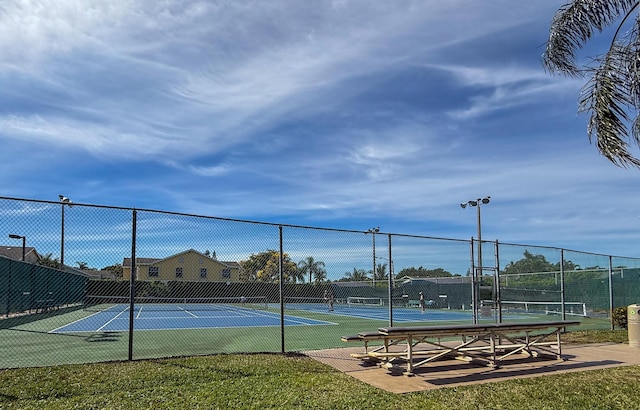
<point>187,266</point>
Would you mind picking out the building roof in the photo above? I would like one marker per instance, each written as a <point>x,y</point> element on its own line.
<point>126,262</point>
<point>440,280</point>
<point>15,252</point>
<point>140,261</point>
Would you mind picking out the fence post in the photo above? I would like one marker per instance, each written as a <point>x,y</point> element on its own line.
<point>132,281</point>
<point>474,288</point>
<point>8,310</point>
<point>610,291</point>
<point>564,315</point>
<point>390,285</point>
<point>281,263</point>
<point>498,297</point>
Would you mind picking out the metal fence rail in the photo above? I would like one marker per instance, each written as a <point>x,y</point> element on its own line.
<point>91,283</point>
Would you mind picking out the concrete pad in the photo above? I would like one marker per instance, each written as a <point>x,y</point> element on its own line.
<point>451,372</point>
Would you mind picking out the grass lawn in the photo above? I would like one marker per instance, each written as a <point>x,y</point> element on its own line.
<point>266,381</point>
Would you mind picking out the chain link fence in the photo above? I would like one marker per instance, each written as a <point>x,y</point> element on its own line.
<point>84,283</point>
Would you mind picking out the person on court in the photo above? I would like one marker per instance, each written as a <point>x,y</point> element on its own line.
<point>331,300</point>
<point>422,302</point>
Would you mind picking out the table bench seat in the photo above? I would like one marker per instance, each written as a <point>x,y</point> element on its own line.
<point>483,343</point>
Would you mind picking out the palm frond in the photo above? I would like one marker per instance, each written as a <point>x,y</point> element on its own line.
<point>633,62</point>
<point>608,98</point>
<point>573,25</point>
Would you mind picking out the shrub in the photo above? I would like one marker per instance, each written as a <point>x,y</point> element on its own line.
<point>619,316</point>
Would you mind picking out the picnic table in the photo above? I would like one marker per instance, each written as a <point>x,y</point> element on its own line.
<point>488,344</point>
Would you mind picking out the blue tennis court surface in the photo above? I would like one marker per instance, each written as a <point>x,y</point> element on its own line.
<point>116,319</point>
<point>382,313</point>
<point>159,317</point>
<point>400,314</point>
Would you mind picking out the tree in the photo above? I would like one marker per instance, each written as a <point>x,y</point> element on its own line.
<point>49,260</point>
<point>320,276</point>
<point>116,269</point>
<point>381,271</point>
<point>83,265</point>
<point>423,273</point>
<point>265,267</point>
<point>313,268</point>
<point>534,264</point>
<point>529,264</point>
<point>612,92</point>
<point>358,275</point>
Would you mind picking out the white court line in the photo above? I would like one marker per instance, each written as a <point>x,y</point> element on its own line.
<point>112,319</point>
<point>188,312</point>
<point>107,310</point>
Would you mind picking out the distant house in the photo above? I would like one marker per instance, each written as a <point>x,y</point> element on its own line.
<point>15,253</point>
<point>189,265</point>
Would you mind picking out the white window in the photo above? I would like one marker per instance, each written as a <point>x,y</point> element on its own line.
<point>226,273</point>
<point>154,271</point>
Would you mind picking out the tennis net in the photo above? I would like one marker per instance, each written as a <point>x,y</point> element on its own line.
<point>95,303</point>
<point>309,303</point>
<point>547,308</point>
<point>364,301</point>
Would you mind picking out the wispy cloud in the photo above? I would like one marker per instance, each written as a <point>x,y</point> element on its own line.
<point>336,112</point>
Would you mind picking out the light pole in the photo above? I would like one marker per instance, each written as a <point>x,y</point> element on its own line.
<point>373,232</point>
<point>64,201</point>
<point>478,271</point>
<point>24,242</point>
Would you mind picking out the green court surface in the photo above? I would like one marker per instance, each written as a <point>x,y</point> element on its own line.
<point>28,341</point>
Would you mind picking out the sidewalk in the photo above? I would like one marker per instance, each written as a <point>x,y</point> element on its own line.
<point>451,373</point>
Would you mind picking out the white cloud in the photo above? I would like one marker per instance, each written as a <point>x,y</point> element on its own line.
<point>285,108</point>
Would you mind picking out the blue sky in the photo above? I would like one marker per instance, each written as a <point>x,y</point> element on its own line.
<point>343,114</point>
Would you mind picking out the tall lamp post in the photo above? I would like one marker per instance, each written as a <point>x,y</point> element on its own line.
<point>24,242</point>
<point>478,271</point>
<point>373,232</point>
<point>64,201</point>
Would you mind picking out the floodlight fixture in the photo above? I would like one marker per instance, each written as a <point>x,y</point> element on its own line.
<point>65,200</point>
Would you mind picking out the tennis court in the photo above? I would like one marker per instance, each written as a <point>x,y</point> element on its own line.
<point>400,314</point>
<point>112,314</point>
<point>164,314</point>
<point>189,315</point>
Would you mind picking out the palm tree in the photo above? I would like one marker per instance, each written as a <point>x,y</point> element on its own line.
<point>312,267</point>
<point>612,92</point>
<point>381,271</point>
<point>49,260</point>
<point>358,275</point>
<point>320,275</point>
